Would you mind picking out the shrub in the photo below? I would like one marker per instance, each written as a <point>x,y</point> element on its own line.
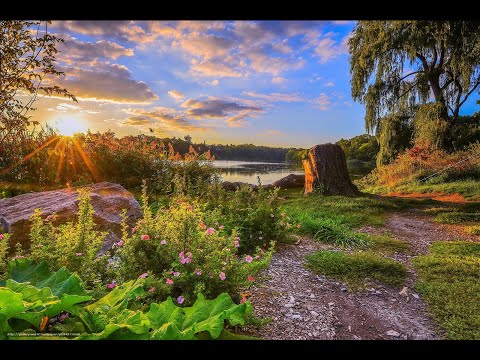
<point>256,215</point>
<point>74,245</point>
<point>4,247</point>
<point>187,251</point>
<point>473,230</point>
<point>429,127</point>
<point>395,133</point>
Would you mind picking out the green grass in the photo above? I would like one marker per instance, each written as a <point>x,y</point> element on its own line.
<point>386,244</point>
<point>450,282</point>
<point>357,268</point>
<point>457,217</point>
<point>470,189</point>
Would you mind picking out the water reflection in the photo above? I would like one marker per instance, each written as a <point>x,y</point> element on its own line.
<point>247,171</point>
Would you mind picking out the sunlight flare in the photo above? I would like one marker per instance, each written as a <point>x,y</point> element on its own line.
<point>68,126</point>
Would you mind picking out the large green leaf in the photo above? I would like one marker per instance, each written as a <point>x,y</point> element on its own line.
<point>38,275</point>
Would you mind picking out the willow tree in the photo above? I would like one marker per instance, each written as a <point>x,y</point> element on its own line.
<point>397,65</point>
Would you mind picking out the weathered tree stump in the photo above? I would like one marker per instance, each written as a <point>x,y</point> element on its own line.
<point>326,171</point>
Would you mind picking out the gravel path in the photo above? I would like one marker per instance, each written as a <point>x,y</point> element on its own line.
<point>304,305</point>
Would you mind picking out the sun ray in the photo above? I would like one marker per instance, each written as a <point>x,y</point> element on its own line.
<point>61,160</point>
<point>29,156</point>
<point>87,161</point>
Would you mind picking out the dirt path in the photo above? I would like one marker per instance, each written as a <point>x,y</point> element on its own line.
<point>304,305</point>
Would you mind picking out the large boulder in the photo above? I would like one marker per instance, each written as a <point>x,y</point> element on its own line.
<point>108,200</point>
<point>326,171</point>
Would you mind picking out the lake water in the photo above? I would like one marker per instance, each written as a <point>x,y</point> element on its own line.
<point>248,171</point>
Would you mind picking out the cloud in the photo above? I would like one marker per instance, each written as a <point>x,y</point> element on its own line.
<point>325,46</point>
<point>330,84</point>
<point>275,97</point>
<point>108,82</point>
<point>162,117</point>
<point>234,112</point>
<point>214,82</point>
<point>261,62</point>
<point>323,102</point>
<point>215,68</point>
<point>343,22</point>
<point>124,30</point>
<point>204,46</point>
<point>74,51</point>
<point>65,107</point>
<point>278,80</point>
<point>177,95</point>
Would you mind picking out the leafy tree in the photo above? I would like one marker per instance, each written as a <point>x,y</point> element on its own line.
<point>396,65</point>
<point>394,136</point>
<point>27,68</point>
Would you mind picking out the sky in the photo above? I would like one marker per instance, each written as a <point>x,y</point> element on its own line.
<point>275,83</point>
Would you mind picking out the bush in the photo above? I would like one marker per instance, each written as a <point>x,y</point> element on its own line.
<point>394,136</point>
<point>4,247</point>
<point>257,216</point>
<point>187,251</point>
<point>74,245</point>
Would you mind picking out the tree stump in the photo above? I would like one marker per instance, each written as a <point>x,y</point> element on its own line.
<point>326,171</point>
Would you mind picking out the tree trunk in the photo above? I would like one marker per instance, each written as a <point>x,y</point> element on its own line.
<point>326,171</point>
<point>434,80</point>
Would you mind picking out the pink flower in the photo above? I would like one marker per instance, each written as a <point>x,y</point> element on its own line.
<point>151,290</point>
<point>236,238</point>
<point>111,285</point>
<point>257,257</point>
<point>209,231</point>
<point>169,281</point>
<point>251,278</point>
<point>189,254</point>
<point>163,242</point>
<point>202,225</point>
<point>185,260</point>
<point>248,258</point>
<point>222,276</point>
<point>176,274</point>
<point>19,257</point>
<point>145,237</point>
<point>78,254</point>
<point>180,300</point>
<point>236,243</point>
<point>135,229</point>
<point>221,227</point>
<point>1,236</point>
<point>143,276</point>
<point>198,272</point>
<point>180,255</point>
<point>242,300</point>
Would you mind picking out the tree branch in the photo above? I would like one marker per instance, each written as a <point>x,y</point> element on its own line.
<point>469,93</point>
<point>423,60</point>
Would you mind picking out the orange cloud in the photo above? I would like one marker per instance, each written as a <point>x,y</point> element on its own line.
<point>275,97</point>
<point>177,95</point>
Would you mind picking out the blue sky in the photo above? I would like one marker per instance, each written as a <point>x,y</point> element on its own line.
<point>282,83</point>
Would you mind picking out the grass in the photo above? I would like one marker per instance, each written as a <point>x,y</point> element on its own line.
<point>357,268</point>
<point>450,282</point>
<point>470,189</point>
<point>457,217</point>
<point>386,244</point>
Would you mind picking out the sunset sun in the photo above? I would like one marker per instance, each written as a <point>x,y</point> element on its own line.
<point>68,126</point>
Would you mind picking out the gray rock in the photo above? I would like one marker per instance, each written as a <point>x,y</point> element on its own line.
<point>415,296</point>
<point>393,333</point>
<point>289,305</point>
<point>297,317</point>
<point>108,200</point>
<point>343,289</point>
<point>314,313</point>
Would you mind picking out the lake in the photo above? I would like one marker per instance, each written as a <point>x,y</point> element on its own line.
<point>247,171</point>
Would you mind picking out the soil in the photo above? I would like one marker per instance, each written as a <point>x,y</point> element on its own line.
<point>304,305</point>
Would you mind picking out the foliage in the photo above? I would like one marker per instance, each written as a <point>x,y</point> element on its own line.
<point>419,162</point>
<point>187,251</point>
<point>358,267</point>
<point>456,217</point>
<point>449,277</point>
<point>362,147</point>
<point>4,248</point>
<point>394,136</point>
<point>39,301</point>
<point>296,155</point>
<point>27,58</point>
<point>256,215</point>
<point>74,245</point>
<point>409,61</point>
<point>429,128</point>
<point>473,230</point>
